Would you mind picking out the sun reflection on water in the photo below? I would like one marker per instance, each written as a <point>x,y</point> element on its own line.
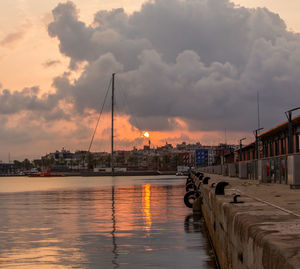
<point>147,207</point>
<point>119,225</point>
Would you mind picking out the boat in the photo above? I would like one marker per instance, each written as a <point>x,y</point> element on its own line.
<point>45,173</point>
<point>112,84</point>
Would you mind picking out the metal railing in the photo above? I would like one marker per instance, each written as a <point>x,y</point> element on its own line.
<point>273,169</point>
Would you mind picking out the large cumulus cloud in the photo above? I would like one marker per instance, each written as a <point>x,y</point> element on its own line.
<point>200,61</point>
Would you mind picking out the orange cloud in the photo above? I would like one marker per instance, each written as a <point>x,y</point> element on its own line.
<point>13,38</point>
<point>128,136</point>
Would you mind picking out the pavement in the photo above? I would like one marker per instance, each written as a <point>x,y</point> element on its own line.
<point>278,195</point>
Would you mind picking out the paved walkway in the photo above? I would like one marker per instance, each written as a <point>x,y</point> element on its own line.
<point>279,195</point>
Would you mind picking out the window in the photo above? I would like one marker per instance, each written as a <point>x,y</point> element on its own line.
<point>283,150</point>
<point>276,148</point>
<point>265,150</point>
<point>271,149</point>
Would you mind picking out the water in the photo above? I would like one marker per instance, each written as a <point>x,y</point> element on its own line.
<point>99,222</point>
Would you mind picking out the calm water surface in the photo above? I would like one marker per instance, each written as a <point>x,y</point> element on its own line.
<point>99,222</point>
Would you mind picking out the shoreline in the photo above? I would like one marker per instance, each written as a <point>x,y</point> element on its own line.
<point>103,174</point>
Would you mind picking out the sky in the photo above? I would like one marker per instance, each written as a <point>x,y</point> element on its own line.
<point>187,70</point>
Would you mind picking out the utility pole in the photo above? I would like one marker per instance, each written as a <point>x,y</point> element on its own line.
<point>241,148</point>
<point>258,116</point>
<point>289,117</point>
<point>112,123</point>
<point>256,141</point>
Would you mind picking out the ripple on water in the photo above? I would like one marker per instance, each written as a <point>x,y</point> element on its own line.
<point>124,222</point>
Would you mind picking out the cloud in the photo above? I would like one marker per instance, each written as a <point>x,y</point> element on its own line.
<point>28,135</point>
<point>200,61</point>
<point>13,38</point>
<point>74,35</point>
<point>178,139</point>
<point>30,100</point>
<point>51,63</point>
<point>87,43</point>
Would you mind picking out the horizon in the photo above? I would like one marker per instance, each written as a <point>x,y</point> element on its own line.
<point>191,74</point>
<point>120,150</point>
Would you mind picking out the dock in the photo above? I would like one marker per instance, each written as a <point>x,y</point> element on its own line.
<point>253,224</point>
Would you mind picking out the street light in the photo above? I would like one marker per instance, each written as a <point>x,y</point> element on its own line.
<point>241,148</point>
<point>256,142</point>
<point>289,117</point>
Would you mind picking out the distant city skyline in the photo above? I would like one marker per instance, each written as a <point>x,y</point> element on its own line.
<point>188,69</point>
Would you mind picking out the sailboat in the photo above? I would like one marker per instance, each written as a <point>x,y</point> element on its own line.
<point>112,162</point>
<point>112,83</point>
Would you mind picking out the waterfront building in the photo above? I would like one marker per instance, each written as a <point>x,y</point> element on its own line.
<point>273,142</point>
<point>273,157</point>
<point>7,168</point>
<point>201,157</point>
<point>188,147</point>
<point>164,158</point>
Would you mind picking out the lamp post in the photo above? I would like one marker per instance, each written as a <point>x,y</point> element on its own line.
<point>255,132</point>
<point>241,148</point>
<point>289,117</point>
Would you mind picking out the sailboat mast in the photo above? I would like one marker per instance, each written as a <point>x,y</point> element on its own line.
<point>112,123</point>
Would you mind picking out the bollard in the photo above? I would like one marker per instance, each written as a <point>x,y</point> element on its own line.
<point>235,201</point>
<point>205,180</point>
<point>220,188</point>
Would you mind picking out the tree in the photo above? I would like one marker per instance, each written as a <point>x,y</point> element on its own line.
<point>108,160</point>
<point>18,164</point>
<point>133,160</point>
<point>90,160</point>
<point>119,160</point>
<point>155,162</point>
<point>27,164</point>
<point>46,162</point>
<point>166,161</point>
<point>176,160</point>
<point>37,163</point>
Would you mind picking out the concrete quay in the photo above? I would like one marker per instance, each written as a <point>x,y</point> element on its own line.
<point>262,232</point>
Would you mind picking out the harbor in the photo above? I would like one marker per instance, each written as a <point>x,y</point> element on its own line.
<point>150,134</point>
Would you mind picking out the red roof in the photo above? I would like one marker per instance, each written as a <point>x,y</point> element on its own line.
<point>280,127</point>
<point>250,145</point>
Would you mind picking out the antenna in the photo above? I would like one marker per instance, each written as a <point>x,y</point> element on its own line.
<point>258,116</point>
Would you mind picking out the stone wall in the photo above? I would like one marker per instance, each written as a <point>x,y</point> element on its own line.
<point>252,234</point>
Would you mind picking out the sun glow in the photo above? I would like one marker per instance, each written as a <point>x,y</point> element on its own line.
<point>146,134</point>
